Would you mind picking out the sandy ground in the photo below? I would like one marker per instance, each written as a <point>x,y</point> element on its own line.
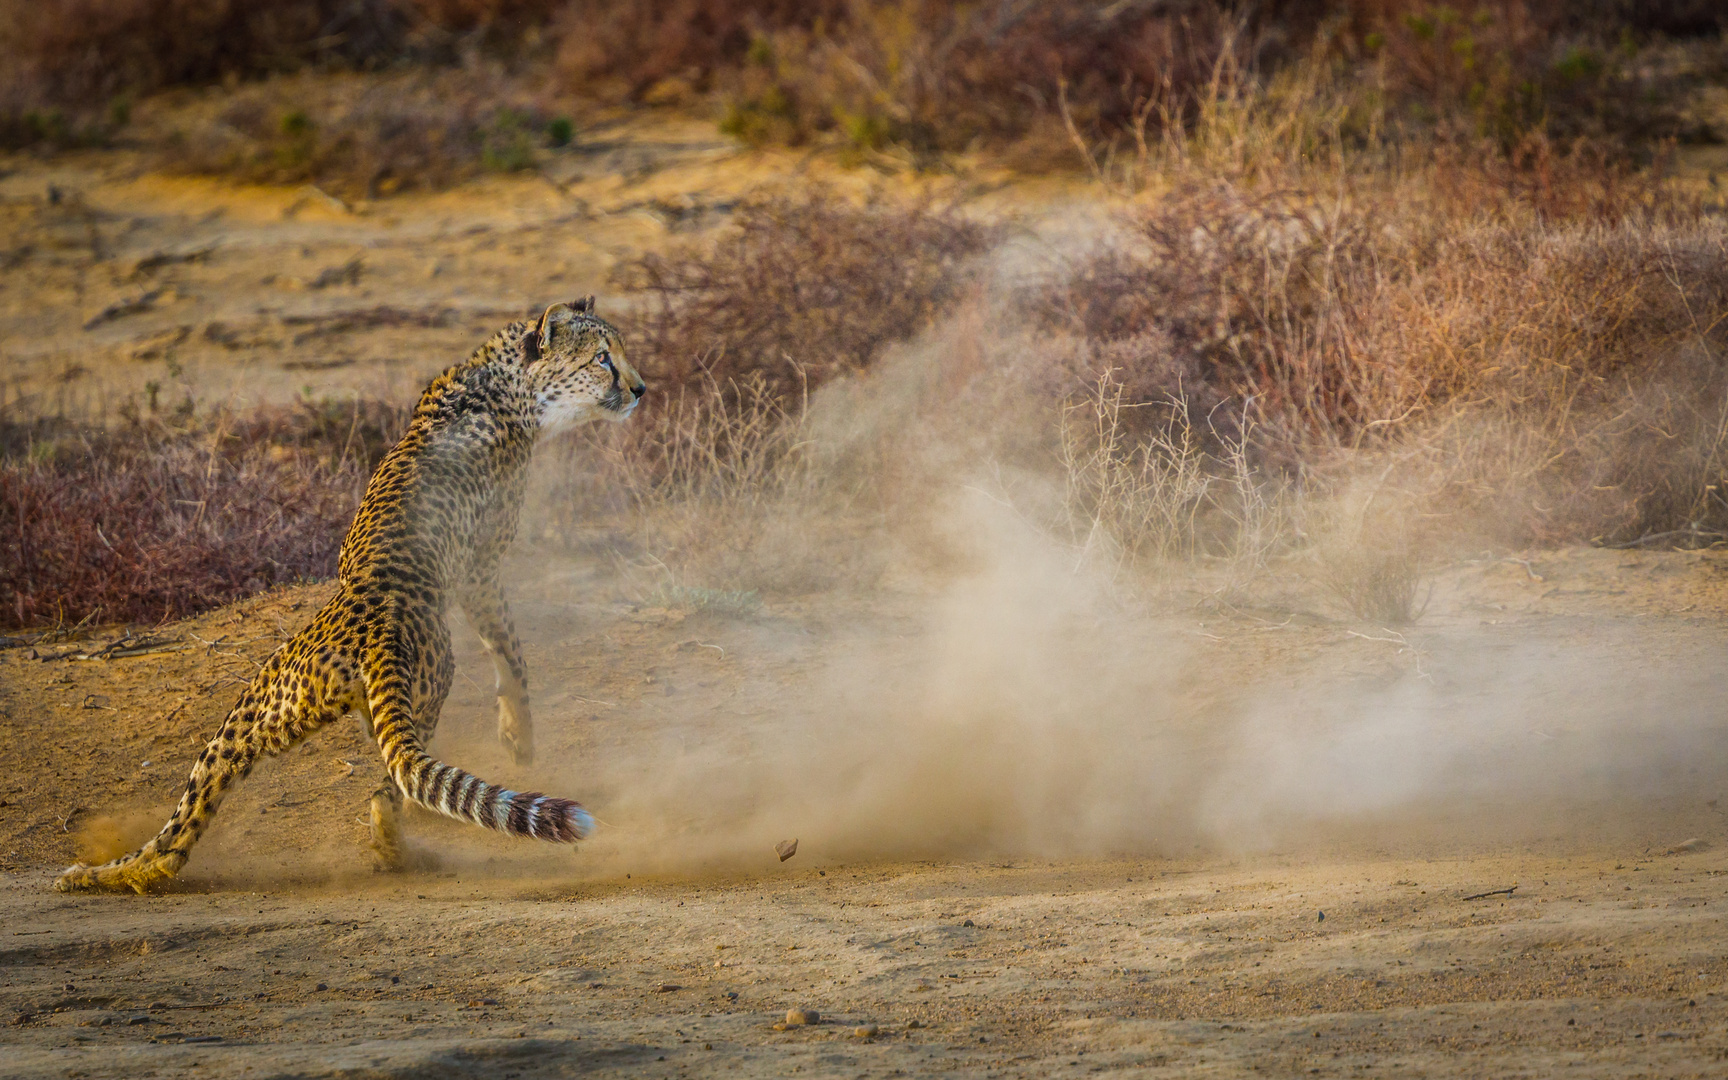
<point>1040,834</point>
<point>673,942</point>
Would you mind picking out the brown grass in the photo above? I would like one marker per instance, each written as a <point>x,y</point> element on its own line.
<point>160,519</point>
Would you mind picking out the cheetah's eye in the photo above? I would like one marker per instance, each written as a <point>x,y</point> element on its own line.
<point>604,360</point>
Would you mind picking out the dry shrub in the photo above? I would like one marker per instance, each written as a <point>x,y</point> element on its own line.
<point>1381,315</point>
<point>1377,582</point>
<point>797,290</point>
<point>927,76</point>
<point>627,50</point>
<point>1148,486</point>
<point>155,520</point>
<point>367,137</point>
<point>68,60</point>
<point>1502,69</point>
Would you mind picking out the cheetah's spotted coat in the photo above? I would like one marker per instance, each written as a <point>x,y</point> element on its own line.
<point>437,516</point>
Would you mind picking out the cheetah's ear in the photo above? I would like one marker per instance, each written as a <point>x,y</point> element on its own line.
<point>584,306</point>
<point>540,338</point>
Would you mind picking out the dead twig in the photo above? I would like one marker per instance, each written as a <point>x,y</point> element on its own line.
<point>1493,892</point>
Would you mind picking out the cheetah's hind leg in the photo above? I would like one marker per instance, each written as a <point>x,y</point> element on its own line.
<point>138,872</point>
<point>391,851</point>
<point>285,702</point>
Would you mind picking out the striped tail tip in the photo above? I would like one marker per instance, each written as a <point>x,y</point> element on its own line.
<point>546,817</point>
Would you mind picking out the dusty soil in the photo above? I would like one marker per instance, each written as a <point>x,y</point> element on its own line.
<point>673,942</point>
<point>1040,834</point>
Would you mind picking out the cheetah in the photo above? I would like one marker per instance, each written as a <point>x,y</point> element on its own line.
<point>437,516</point>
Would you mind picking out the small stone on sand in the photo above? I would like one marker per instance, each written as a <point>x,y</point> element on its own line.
<point>865,1031</point>
<point>786,848</point>
<point>802,1017</point>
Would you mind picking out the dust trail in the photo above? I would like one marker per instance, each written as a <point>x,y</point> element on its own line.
<point>1026,716</point>
<point>1033,713</point>
<point>997,692</point>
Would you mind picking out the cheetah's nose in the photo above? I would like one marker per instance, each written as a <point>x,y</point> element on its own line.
<point>639,389</point>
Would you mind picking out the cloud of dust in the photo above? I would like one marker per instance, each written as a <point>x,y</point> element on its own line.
<point>1014,700</point>
<point>1003,695</point>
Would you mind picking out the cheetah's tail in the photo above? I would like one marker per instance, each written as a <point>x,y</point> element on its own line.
<point>465,797</point>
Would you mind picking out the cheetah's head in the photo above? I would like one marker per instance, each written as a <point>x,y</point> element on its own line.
<point>576,368</point>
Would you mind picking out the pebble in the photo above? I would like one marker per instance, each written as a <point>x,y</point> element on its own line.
<point>801,1017</point>
<point>865,1031</point>
<point>910,1024</point>
<point>667,988</point>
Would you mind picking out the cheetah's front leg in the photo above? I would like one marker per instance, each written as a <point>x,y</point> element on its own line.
<point>489,614</point>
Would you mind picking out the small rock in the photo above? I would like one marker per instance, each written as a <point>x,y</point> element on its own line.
<point>1322,917</point>
<point>667,988</point>
<point>865,1031</point>
<point>132,1020</point>
<point>786,848</point>
<point>968,922</point>
<point>802,1017</point>
<point>914,1024</point>
<point>320,986</point>
<point>779,1027</point>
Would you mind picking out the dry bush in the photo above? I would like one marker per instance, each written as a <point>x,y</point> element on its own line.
<point>1147,493</point>
<point>155,520</point>
<point>1376,582</point>
<point>922,75</point>
<point>369,137</point>
<point>628,50</point>
<point>1368,543</point>
<point>925,77</point>
<point>796,291</point>
<point>1503,69</point>
<point>68,62</point>
<point>1531,319</point>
